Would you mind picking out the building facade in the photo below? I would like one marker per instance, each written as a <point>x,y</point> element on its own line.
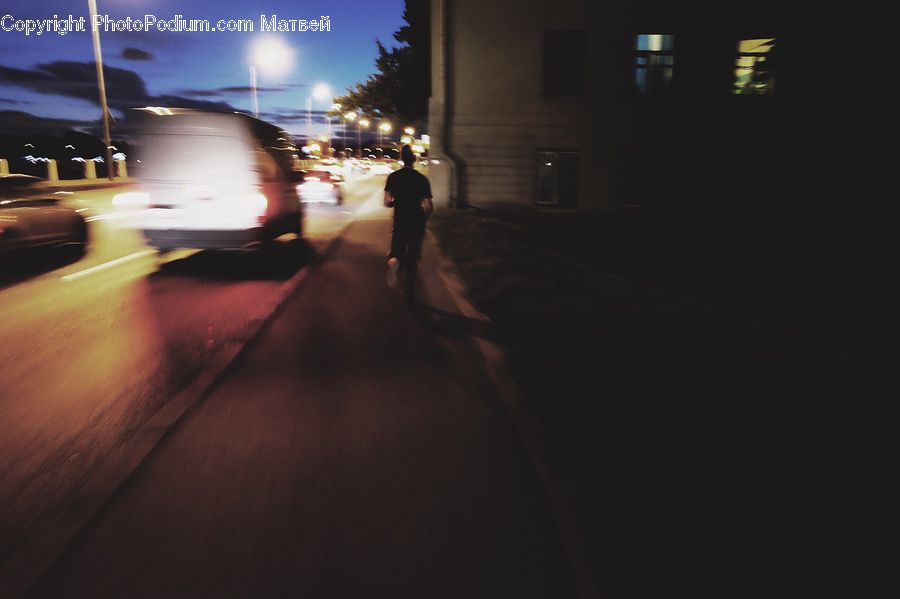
<point>608,105</point>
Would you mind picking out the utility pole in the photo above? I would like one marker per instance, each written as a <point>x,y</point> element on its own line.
<point>98,59</point>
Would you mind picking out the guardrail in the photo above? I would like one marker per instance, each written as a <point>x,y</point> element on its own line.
<point>302,165</point>
<point>51,172</point>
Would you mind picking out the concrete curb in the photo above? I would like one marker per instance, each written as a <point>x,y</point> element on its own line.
<point>528,429</point>
<point>34,557</point>
<point>75,185</point>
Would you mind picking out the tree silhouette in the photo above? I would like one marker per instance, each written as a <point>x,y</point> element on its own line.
<point>399,90</point>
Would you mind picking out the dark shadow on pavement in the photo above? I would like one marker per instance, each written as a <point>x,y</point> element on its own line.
<point>280,261</point>
<point>34,263</point>
<point>196,305</point>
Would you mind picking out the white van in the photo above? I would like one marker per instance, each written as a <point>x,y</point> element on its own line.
<point>214,180</point>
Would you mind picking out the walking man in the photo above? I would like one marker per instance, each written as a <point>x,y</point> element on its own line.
<point>408,192</point>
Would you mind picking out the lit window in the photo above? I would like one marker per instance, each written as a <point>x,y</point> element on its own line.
<point>557,178</point>
<point>654,62</point>
<point>754,71</point>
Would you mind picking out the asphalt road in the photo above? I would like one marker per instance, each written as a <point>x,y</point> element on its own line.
<point>94,345</point>
<point>358,449</point>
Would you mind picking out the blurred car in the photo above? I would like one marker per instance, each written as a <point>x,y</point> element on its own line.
<point>381,168</point>
<point>335,170</point>
<point>31,217</point>
<point>214,180</point>
<point>321,186</point>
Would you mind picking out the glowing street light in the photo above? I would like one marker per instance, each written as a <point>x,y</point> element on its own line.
<point>336,108</point>
<point>271,55</point>
<point>409,131</point>
<point>383,128</point>
<point>364,123</point>
<point>320,92</point>
<point>351,116</point>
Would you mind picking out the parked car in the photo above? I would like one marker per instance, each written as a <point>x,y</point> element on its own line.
<point>321,186</point>
<point>32,217</point>
<point>214,180</point>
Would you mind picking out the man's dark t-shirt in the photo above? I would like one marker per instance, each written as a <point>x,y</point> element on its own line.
<point>409,188</point>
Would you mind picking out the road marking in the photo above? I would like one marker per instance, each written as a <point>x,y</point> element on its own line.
<point>105,265</point>
<point>107,216</point>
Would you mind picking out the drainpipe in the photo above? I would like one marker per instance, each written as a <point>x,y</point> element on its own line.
<point>441,26</point>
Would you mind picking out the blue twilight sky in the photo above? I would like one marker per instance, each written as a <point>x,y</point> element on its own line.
<point>51,76</point>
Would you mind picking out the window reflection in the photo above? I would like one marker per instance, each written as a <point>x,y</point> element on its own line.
<point>654,62</point>
<point>754,71</point>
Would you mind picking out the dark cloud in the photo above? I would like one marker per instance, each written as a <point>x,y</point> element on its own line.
<point>79,80</point>
<point>245,89</point>
<point>286,115</point>
<point>235,89</point>
<point>14,122</point>
<point>124,88</point>
<point>182,102</point>
<point>201,93</point>
<point>136,54</point>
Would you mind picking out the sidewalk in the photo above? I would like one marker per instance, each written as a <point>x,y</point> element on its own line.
<point>358,450</point>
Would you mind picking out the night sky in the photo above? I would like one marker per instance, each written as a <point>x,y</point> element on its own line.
<point>52,76</point>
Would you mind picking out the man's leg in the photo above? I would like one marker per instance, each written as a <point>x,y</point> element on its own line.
<point>395,255</point>
<point>414,238</point>
<point>396,250</point>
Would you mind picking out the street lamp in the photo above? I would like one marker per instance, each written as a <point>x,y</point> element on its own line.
<point>319,92</point>
<point>364,123</point>
<point>271,55</point>
<point>253,95</point>
<point>409,131</point>
<point>101,84</point>
<point>383,128</point>
<point>351,116</point>
<point>335,108</point>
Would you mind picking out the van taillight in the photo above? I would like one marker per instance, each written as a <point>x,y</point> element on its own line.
<point>261,205</point>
